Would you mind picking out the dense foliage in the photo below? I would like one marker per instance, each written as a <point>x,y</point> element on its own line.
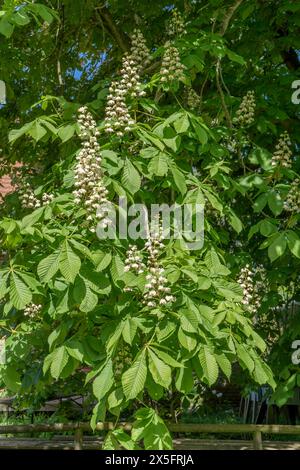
<point>188,102</point>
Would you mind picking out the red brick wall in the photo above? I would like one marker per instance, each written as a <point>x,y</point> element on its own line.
<point>5,186</point>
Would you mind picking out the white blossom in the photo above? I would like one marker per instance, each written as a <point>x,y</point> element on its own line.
<point>283,154</point>
<point>27,197</point>
<point>117,117</point>
<point>246,111</point>
<point>134,260</point>
<point>292,202</point>
<point>193,99</point>
<point>251,299</point>
<point>32,310</point>
<point>171,67</point>
<point>157,290</point>
<point>176,25</point>
<point>139,51</point>
<point>89,186</point>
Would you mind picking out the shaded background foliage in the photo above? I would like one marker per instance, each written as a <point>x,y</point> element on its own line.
<point>56,55</point>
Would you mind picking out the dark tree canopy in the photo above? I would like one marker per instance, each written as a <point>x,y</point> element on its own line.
<point>189,102</point>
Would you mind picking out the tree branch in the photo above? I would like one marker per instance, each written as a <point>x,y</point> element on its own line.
<point>220,91</point>
<point>118,35</point>
<point>228,16</point>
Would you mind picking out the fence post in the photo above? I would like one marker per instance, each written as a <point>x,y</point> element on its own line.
<point>78,438</point>
<point>257,440</point>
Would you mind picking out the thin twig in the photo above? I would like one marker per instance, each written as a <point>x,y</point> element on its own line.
<point>228,16</point>
<point>201,91</point>
<point>119,36</point>
<point>220,91</point>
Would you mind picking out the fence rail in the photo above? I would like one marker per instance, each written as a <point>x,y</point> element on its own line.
<point>79,428</point>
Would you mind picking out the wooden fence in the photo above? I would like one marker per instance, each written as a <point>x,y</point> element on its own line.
<point>257,430</point>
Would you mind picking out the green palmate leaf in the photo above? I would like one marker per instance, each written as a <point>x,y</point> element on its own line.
<point>158,165</point>
<point>262,157</point>
<point>95,280</point>
<point>69,368</point>
<point>131,179</point>
<point>165,330</point>
<point>179,179</point>
<point>235,57</point>
<point>114,338</point>
<point>173,142</point>
<point>224,364</point>
<point>69,263</point>
<point>66,132</point>
<point>17,133</point>
<point>12,379</point>
<point>260,202</point>
<point>155,391</point>
<point>275,202</point>
<point>187,340</point>
<point>244,356</point>
<point>83,249</point>
<point>20,294</point>
<point>254,229</point>
<point>129,330</point>
<point>184,380</point>
<point>189,320</point>
<point>110,442</point>
<point>49,266</point>
<point>160,371</point>
<point>75,349</point>
<point>204,283</point>
<point>293,243</point>
<point>259,342</point>
<point>115,399</point>
<point>46,13</point>
<point>229,290</point>
<point>20,18</point>
<point>37,131</point>
<point>59,360</point>
<point>152,139</point>
<point>59,333</point>
<point>6,28</point>
<point>215,202</point>
<point>3,283</point>
<point>101,260</point>
<point>158,437</point>
<point>200,132</point>
<point>117,269</point>
<point>267,227</point>
<point>209,364</point>
<point>150,427</point>
<point>182,124</point>
<point>133,380</point>
<point>124,440</point>
<point>166,357</point>
<point>190,273</point>
<point>104,381</point>
<point>277,247</point>
<point>98,415</point>
<point>235,222</point>
<point>259,373</point>
<point>89,301</point>
<point>32,218</point>
<point>212,261</point>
